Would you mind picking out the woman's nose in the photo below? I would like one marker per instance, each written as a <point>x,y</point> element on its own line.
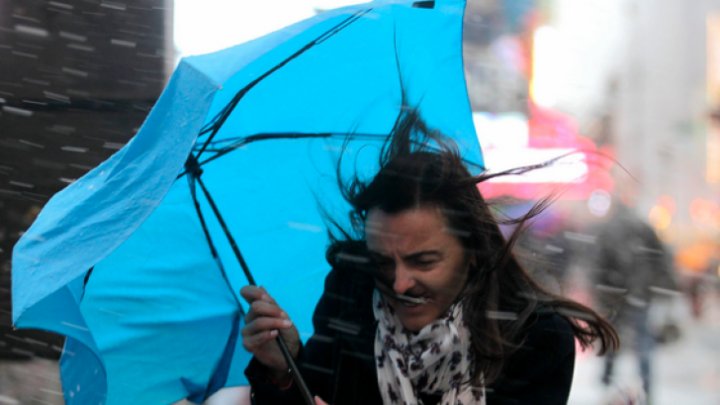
<point>403,280</point>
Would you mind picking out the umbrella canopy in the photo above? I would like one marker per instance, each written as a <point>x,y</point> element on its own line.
<point>139,262</point>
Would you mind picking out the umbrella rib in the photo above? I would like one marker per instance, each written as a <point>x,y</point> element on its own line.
<point>243,141</point>
<point>223,115</point>
<point>226,231</point>
<point>208,238</point>
<point>265,137</point>
<point>295,371</point>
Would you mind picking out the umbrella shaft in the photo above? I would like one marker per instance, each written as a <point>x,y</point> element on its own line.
<point>304,391</point>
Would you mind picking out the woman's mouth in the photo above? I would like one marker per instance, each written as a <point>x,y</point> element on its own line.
<point>409,301</point>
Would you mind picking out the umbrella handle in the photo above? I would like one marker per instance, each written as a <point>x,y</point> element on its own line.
<point>295,371</point>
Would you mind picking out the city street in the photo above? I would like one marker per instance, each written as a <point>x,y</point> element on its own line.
<point>686,371</point>
<point>158,157</point>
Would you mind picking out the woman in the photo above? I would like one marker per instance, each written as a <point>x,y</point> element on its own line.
<point>427,305</point>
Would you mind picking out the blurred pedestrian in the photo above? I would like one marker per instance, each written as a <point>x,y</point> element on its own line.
<point>633,269</point>
<point>426,304</point>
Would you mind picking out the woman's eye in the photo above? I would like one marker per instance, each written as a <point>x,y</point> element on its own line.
<point>425,263</point>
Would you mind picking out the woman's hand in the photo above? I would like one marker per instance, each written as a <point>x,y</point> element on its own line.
<point>319,401</point>
<point>262,324</point>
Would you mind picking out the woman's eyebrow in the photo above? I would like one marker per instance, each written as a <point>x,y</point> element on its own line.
<point>412,256</point>
<point>422,254</point>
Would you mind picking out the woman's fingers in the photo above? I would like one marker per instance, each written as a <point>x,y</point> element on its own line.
<point>261,304</point>
<point>253,293</point>
<point>319,401</point>
<point>264,321</point>
<point>263,324</point>
<point>262,329</point>
<point>264,309</point>
<point>252,343</point>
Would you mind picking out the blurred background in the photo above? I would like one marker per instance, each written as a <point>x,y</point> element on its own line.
<point>628,91</point>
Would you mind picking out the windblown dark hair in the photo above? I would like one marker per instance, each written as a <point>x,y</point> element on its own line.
<point>422,167</point>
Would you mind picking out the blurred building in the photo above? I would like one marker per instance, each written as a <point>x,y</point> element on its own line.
<point>640,78</point>
<point>643,77</point>
<point>76,80</point>
<point>662,109</point>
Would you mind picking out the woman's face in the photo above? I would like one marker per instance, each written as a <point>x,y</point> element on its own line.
<point>418,256</point>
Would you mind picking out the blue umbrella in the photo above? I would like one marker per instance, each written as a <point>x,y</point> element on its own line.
<point>139,262</point>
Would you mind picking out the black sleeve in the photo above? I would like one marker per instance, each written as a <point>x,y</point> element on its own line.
<point>314,360</point>
<point>541,371</point>
<point>263,391</point>
<point>658,261</point>
<point>343,309</point>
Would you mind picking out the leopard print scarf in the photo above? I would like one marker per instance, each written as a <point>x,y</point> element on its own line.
<point>436,360</point>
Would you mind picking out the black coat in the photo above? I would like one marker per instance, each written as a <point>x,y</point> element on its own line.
<point>338,364</point>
